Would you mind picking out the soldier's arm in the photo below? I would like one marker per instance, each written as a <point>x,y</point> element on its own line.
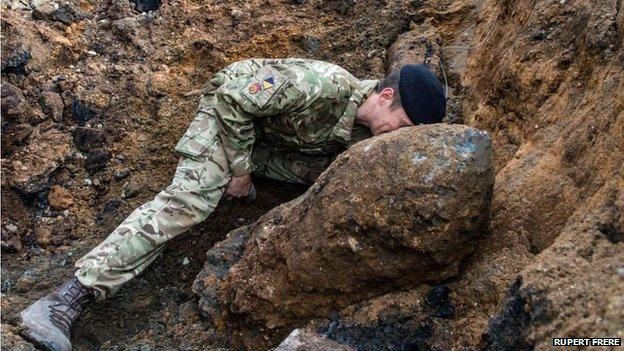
<point>239,101</point>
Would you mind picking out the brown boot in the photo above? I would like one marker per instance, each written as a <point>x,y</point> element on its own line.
<point>48,321</point>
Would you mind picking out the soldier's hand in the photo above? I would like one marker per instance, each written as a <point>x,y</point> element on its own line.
<point>238,187</point>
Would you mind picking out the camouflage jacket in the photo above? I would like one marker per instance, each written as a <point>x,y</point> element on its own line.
<point>294,105</point>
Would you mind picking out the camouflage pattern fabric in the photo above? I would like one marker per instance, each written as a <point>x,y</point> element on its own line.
<point>282,119</point>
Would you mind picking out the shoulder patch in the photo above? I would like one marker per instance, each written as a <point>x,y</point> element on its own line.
<point>263,85</point>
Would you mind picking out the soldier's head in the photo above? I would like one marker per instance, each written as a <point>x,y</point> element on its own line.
<point>409,96</point>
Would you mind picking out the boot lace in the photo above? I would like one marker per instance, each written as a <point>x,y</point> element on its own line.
<point>64,314</point>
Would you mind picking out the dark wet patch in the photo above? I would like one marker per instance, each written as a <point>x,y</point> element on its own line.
<point>68,14</point>
<point>82,112</point>
<point>87,139</point>
<point>110,207</point>
<point>16,63</point>
<point>146,5</point>
<point>396,332</point>
<point>509,329</point>
<point>611,232</point>
<point>438,298</point>
<point>97,160</point>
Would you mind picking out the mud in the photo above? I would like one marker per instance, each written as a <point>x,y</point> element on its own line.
<point>95,95</point>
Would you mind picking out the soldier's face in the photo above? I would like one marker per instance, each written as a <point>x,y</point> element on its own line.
<point>388,118</point>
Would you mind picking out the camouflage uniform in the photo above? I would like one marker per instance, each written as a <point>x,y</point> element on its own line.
<point>283,119</point>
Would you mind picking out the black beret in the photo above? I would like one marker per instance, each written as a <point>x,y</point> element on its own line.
<point>422,95</point>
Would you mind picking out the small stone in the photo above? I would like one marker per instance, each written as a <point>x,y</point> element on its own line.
<point>20,5</point>
<point>26,280</point>
<point>621,271</point>
<point>6,286</point>
<point>237,14</point>
<point>15,61</point>
<point>43,234</point>
<point>88,139</point>
<point>88,181</point>
<point>97,160</point>
<point>11,228</point>
<point>59,198</point>
<point>91,53</point>
<point>13,102</point>
<point>130,189</point>
<point>185,261</point>
<point>146,5</point>
<point>14,244</point>
<point>311,44</point>
<point>122,173</point>
<point>44,11</point>
<point>52,105</point>
<point>82,111</point>
<point>43,155</point>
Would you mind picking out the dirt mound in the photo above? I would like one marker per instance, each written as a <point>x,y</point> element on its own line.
<point>94,96</point>
<point>411,205</point>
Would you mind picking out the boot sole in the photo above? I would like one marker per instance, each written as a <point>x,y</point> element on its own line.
<point>31,331</point>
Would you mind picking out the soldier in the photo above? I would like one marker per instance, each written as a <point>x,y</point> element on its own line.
<point>285,119</point>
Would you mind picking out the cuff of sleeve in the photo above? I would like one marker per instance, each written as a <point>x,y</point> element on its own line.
<point>240,169</point>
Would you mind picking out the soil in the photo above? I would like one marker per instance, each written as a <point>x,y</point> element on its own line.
<point>95,95</point>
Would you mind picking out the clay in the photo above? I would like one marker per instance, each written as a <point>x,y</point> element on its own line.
<point>412,204</point>
<point>544,79</point>
<point>59,198</point>
<point>30,170</point>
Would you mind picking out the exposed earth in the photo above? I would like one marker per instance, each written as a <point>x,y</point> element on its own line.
<point>95,95</point>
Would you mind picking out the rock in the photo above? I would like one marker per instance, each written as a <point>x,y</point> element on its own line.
<point>399,320</point>
<point>438,298</point>
<point>421,201</point>
<point>87,139</point>
<point>237,14</point>
<point>68,13</point>
<point>159,84</point>
<point>44,12</point>
<point>97,160</point>
<point>34,163</point>
<point>146,5</point>
<point>130,189</point>
<point>11,340</point>
<point>27,280</point>
<point>421,45</point>
<point>126,28</point>
<point>11,228</point>
<point>82,111</point>
<point>13,102</point>
<point>13,244</point>
<point>19,4</point>
<point>15,61</point>
<point>311,44</point>
<point>575,274</point>
<point>43,234</point>
<point>59,198</point>
<point>305,340</point>
<point>52,105</point>
<point>121,173</point>
<point>218,261</point>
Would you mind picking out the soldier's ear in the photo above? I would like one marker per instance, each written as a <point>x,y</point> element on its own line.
<point>386,96</point>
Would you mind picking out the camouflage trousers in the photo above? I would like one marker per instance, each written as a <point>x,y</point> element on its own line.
<point>195,191</point>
